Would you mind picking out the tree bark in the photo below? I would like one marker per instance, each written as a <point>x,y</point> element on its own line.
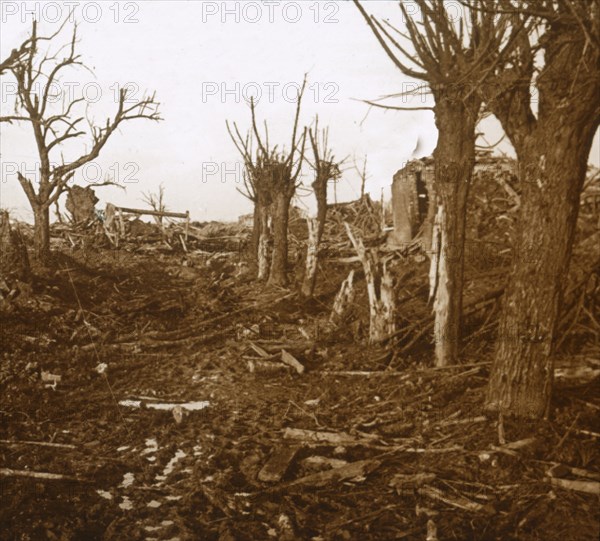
<point>552,179</point>
<point>454,162</point>
<point>312,250</point>
<point>41,233</point>
<point>552,150</point>
<point>316,227</point>
<point>264,237</point>
<point>281,206</point>
<point>255,239</point>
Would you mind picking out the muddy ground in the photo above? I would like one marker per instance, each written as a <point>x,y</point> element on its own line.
<point>170,333</point>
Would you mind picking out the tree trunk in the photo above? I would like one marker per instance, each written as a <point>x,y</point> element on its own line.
<point>553,151</point>
<point>552,179</point>
<point>312,251</point>
<point>426,231</point>
<point>281,206</point>
<point>316,227</point>
<point>41,233</point>
<point>454,162</point>
<point>264,238</point>
<point>255,239</point>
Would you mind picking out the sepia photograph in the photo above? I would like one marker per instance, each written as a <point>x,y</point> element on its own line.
<point>314,270</point>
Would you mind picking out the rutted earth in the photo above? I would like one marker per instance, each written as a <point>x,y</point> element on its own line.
<point>162,433</point>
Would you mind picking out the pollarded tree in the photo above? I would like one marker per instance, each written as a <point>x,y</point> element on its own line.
<point>325,169</point>
<point>552,143</point>
<point>452,57</point>
<point>271,180</point>
<point>33,70</point>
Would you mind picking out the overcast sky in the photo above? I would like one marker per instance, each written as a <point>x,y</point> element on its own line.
<point>203,59</point>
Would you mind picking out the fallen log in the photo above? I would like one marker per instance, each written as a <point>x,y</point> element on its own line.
<point>458,501</point>
<point>39,443</point>
<point>8,472</point>
<point>333,438</point>
<point>589,487</point>
<point>353,470</point>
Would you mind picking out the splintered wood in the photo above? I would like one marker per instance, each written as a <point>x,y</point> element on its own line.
<point>343,301</point>
<point>380,287</point>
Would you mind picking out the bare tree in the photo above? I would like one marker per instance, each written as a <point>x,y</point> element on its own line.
<point>156,201</point>
<point>326,169</point>
<point>552,145</point>
<point>362,173</point>
<point>258,188</point>
<point>452,57</point>
<point>52,130</point>
<point>271,180</point>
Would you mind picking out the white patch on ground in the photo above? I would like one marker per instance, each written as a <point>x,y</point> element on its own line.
<point>163,524</point>
<point>170,466</point>
<point>104,494</point>
<point>130,403</point>
<point>154,504</point>
<point>197,450</point>
<point>199,378</point>
<point>173,498</point>
<point>189,406</point>
<point>151,446</point>
<point>126,504</point>
<point>128,480</point>
<point>122,448</point>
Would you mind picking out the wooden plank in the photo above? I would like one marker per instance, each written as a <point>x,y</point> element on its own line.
<point>167,214</point>
<point>290,360</point>
<point>278,464</point>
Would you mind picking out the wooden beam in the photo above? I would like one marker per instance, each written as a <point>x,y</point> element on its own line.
<point>184,215</point>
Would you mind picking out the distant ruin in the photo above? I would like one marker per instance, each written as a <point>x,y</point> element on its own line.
<point>413,192</point>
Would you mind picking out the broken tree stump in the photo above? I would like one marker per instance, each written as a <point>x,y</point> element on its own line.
<point>343,301</point>
<point>14,261</point>
<point>312,251</point>
<point>380,288</point>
